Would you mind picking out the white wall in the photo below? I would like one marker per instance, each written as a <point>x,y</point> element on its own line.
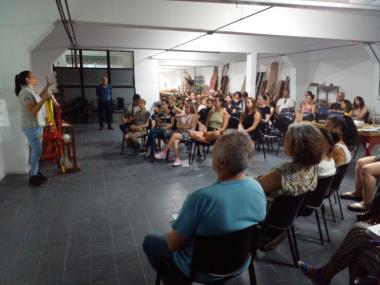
<point>146,77</point>
<point>353,69</point>
<point>236,74</point>
<point>17,41</point>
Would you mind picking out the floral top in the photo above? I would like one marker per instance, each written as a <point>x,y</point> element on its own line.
<point>296,179</point>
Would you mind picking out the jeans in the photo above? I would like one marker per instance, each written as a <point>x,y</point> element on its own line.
<point>156,249</point>
<point>105,108</point>
<point>34,136</point>
<point>154,134</point>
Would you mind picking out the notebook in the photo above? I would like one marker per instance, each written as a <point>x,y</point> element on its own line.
<point>374,231</point>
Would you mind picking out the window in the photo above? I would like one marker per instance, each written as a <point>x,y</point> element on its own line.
<point>94,58</point>
<point>121,59</point>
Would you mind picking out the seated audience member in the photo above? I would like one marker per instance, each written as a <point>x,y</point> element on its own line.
<point>139,125</point>
<point>192,98</point>
<point>303,144</point>
<point>341,104</point>
<point>233,203</point>
<point>264,109</point>
<point>347,108</point>
<point>250,120</point>
<point>163,125</point>
<point>367,171</point>
<point>171,101</point>
<point>356,252</point>
<point>327,167</point>
<point>216,124</point>
<point>231,107</point>
<point>360,111</point>
<point>131,110</point>
<point>203,113</point>
<point>186,121</point>
<point>345,134</point>
<point>285,102</point>
<point>307,111</point>
<point>373,212</point>
<point>198,103</point>
<point>237,99</point>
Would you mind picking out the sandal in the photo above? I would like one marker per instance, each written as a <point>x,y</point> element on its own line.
<point>358,207</point>
<point>318,278</point>
<point>350,196</point>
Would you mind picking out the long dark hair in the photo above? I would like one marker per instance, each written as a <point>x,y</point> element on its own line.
<point>348,129</point>
<point>20,80</point>
<point>361,102</point>
<point>330,141</point>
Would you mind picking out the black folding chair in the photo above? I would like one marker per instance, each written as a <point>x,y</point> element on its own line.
<point>338,178</point>
<point>283,123</point>
<point>279,222</point>
<point>314,203</point>
<point>221,256</point>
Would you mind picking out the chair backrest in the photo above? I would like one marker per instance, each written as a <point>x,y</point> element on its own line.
<point>283,211</point>
<point>224,254</point>
<point>279,219</point>
<point>314,199</point>
<point>284,120</point>
<point>120,102</point>
<point>338,178</point>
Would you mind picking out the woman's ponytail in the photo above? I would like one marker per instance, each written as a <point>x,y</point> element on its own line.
<point>20,80</point>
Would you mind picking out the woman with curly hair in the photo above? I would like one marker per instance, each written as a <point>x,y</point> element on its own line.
<point>302,143</point>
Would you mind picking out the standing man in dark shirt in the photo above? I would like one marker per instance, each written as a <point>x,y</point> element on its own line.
<point>104,95</point>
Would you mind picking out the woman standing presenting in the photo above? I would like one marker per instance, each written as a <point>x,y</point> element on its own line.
<point>31,119</point>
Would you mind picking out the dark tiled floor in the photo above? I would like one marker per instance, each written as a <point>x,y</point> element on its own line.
<point>87,227</point>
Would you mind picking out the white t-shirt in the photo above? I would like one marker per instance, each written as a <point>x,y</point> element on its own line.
<point>346,151</point>
<point>326,168</point>
<point>284,103</point>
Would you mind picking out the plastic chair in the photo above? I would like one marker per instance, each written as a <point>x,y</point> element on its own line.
<point>314,202</point>
<point>279,222</point>
<point>219,255</point>
<point>338,178</point>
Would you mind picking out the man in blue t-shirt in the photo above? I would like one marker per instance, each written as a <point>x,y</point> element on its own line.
<point>233,203</point>
<point>104,95</point>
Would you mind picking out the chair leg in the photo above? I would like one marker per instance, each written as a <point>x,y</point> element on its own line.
<point>340,205</point>
<point>279,144</point>
<point>204,152</point>
<point>192,153</point>
<point>122,145</point>
<point>319,226</point>
<point>324,221</point>
<point>295,243</point>
<point>263,146</point>
<point>252,274</point>
<point>291,246</point>
<point>332,210</point>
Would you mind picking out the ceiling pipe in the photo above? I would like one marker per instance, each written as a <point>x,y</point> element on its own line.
<point>71,35</point>
<point>212,31</point>
<point>308,4</point>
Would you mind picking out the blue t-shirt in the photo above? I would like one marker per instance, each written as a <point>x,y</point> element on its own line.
<point>220,208</point>
<point>104,93</point>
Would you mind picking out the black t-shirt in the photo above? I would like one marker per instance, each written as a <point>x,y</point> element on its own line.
<point>203,114</point>
<point>336,106</point>
<point>163,119</point>
<point>264,111</point>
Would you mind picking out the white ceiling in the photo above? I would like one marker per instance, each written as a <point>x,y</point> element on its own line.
<point>162,25</point>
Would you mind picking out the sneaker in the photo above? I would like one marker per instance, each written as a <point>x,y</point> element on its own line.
<point>41,176</point>
<point>160,155</point>
<point>110,128</point>
<point>35,181</point>
<point>177,162</point>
